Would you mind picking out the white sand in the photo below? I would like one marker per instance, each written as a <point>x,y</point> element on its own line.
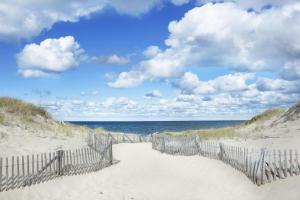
<point>143,173</point>
<point>14,145</point>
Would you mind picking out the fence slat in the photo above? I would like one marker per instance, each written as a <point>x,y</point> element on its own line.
<point>6,175</point>
<point>1,175</point>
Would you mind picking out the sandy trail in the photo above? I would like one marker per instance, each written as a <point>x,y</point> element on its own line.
<point>143,174</point>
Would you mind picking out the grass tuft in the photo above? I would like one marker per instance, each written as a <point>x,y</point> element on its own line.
<point>19,107</point>
<point>207,134</point>
<point>265,115</point>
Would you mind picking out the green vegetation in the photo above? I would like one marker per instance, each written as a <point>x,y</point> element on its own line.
<point>265,115</point>
<point>19,107</point>
<point>206,134</point>
<point>25,115</point>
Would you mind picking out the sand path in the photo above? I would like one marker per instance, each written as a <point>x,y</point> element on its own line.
<point>143,174</point>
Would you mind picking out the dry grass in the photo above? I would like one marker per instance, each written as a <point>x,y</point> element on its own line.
<point>69,129</point>
<point>36,119</point>
<point>19,107</point>
<point>206,134</point>
<point>265,115</point>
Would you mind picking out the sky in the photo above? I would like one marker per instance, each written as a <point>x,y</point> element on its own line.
<point>117,60</point>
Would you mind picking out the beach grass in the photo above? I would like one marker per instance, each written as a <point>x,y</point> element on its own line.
<point>208,134</point>
<point>19,107</point>
<point>265,115</point>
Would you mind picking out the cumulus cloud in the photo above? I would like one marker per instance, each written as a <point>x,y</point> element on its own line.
<point>280,85</point>
<point>119,102</point>
<point>51,56</point>
<point>128,80</point>
<point>153,94</point>
<point>190,83</point>
<point>137,7</point>
<point>237,38</point>
<point>227,35</point>
<point>291,70</point>
<point>25,19</point>
<point>112,60</point>
<point>151,51</point>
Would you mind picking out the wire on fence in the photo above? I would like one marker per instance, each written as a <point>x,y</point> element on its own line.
<point>23,171</point>
<point>260,166</point>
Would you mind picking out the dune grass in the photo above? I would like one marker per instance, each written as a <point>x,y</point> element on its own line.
<point>207,134</point>
<point>19,107</point>
<point>265,115</point>
<point>68,129</point>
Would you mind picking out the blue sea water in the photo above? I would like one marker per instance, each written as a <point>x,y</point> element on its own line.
<point>149,127</point>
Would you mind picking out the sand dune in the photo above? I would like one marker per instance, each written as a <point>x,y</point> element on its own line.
<point>143,173</point>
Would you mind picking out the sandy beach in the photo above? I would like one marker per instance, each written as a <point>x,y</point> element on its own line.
<point>149,100</point>
<point>143,173</point>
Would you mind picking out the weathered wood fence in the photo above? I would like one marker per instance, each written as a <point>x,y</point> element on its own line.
<point>260,166</point>
<point>22,171</point>
<point>118,138</point>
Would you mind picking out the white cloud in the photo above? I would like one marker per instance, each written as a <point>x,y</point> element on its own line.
<point>49,57</point>
<point>174,105</point>
<point>291,70</point>
<point>256,4</point>
<point>138,7</point>
<point>227,35</point>
<point>162,66</point>
<point>134,7</point>
<point>112,60</point>
<point>128,79</point>
<point>77,102</point>
<point>151,51</point>
<point>232,82</point>
<point>93,93</point>
<point>25,19</point>
<point>267,84</point>
<point>153,94</point>
<point>32,73</point>
<point>119,102</point>
<point>190,83</point>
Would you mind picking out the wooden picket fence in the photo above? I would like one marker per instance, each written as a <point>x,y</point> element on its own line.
<point>22,171</point>
<point>118,138</point>
<point>260,166</point>
<point>180,146</point>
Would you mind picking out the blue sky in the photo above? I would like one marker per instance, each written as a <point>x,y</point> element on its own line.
<point>151,60</point>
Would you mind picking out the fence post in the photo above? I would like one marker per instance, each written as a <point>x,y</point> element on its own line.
<point>261,166</point>
<point>60,155</point>
<point>222,151</point>
<point>95,144</point>
<point>110,152</point>
<point>163,144</point>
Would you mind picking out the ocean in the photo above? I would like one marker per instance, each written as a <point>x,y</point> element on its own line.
<point>149,127</point>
